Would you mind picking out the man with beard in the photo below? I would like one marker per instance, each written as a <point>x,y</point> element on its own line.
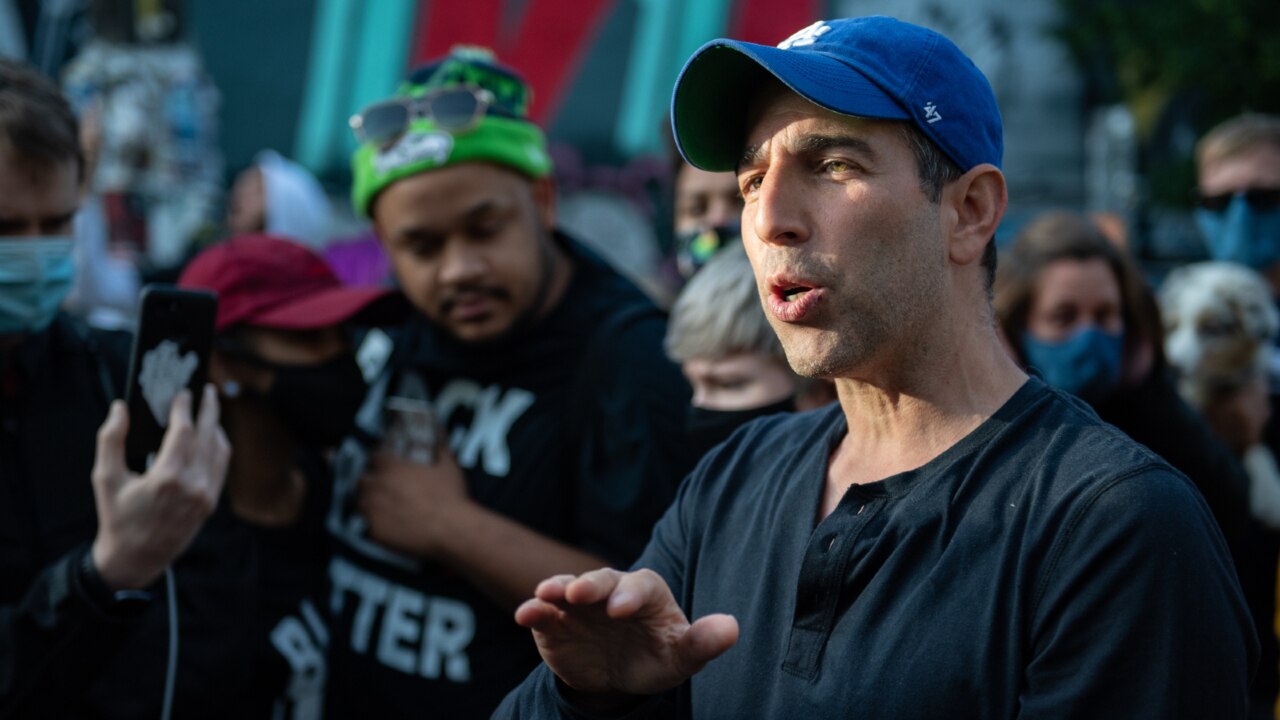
<point>952,538</point>
<point>538,370</point>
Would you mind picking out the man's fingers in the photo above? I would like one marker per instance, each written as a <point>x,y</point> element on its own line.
<point>552,589</point>
<point>625,593</point>
<point>537,615</point>
<point>637,590</point>
<point>592,587</point>
<point>213,448</point>
<point>177,438</point>
<point>209,411</point>
<point>218,458</point>
<point>708,638</point>
<point>180,408</point>
<point>704,641</point>
<point>109,461</point>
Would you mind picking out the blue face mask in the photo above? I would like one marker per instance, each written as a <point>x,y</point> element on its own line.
<point>1087,364</point>
<point>35,277</point>
<point>1241,234</point>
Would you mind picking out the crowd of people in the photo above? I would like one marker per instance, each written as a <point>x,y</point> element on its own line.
<point>462,467</point>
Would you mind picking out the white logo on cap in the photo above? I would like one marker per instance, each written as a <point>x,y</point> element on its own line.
<point>412,148</point>
<point>807,36</point>
<point>931,113</point>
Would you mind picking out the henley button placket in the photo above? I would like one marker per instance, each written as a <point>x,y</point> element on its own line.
<point>822,575</point>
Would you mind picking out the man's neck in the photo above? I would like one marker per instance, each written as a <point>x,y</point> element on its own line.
<point>560,268</point>
<point>901,419</point>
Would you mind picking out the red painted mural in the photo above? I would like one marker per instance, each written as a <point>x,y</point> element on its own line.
<point>551,38</point>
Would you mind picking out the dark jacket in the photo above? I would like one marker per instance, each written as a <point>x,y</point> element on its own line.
<point>248,598</point>
<point>55,389</point>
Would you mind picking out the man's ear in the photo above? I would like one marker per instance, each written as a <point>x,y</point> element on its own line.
<point>544,197</point>
<point>976,202</point>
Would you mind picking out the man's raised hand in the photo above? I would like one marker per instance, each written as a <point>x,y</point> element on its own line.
<point>616,634</point>
<point>146,521</point>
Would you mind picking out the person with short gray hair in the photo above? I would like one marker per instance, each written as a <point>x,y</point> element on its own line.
<point>718,313</point>
<point>730,354</point>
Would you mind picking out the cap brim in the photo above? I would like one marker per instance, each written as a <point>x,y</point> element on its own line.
<point>716,87</point>
<point>333,306</point>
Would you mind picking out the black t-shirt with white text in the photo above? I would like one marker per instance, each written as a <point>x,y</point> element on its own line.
<point>573,429</point>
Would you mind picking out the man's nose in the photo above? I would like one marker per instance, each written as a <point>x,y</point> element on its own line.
<point>777,213</point>
<point>461,263</point>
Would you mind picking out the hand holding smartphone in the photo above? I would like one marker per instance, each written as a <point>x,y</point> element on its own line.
<point>170,352</point>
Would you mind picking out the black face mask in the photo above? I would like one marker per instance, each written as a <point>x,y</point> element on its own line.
<point>708,428</point>
<point>318,403</point>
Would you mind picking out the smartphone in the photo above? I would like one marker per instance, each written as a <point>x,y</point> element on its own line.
<point>170,352</point>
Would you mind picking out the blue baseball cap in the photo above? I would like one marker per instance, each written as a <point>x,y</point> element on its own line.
<point>874,67</point>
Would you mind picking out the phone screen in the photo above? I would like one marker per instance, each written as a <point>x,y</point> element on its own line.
<point>170,352</point>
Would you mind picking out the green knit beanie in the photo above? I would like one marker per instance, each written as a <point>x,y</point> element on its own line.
<point>503,136</point>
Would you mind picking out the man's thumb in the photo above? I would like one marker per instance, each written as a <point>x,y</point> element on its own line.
<point>707,639</point>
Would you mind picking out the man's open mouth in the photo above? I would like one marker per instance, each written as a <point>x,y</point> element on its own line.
<point>793,293</point>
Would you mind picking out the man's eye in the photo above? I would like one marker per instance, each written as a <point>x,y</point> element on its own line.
<point>1062,318</point>
<point>486,229</point>
<point>694,208</point>
<point>751,184</point>
<point>836,166</point>
<point>423,248</point>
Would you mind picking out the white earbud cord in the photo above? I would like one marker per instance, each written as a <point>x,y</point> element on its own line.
<point>171,671</point>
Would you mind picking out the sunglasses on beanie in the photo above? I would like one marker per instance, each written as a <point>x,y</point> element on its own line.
<point>456,109</point>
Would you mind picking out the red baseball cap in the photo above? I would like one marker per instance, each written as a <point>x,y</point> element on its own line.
<point>271,282</point>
